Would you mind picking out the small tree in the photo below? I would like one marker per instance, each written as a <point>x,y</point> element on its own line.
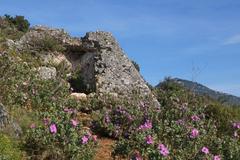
<point>19,22</point>
<point>136,65</point>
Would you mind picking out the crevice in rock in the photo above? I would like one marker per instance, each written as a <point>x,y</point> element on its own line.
<point>83,77</point>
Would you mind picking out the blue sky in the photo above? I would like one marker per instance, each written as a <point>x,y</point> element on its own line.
<point>190,39</point>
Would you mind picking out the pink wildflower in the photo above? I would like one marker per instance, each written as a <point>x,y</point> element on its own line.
<point>69,110</point>
<point>163,150</point>
<point>236,134</point>
<point>53,128</point>
<point>217,157</point>
<point>46,121</point>
<point>137,156</point>
<point>180,122</point>
<point>236,125</point>
<point>33,126</point>
<point>195,118</point>
<point>149,139</point>
<point>84,139</point>
<point>146,125</point>
<point>74,122</point>
<point>107,118</point>
<point>194,133</point>
<point>205,150</point>
<point>94,137</point>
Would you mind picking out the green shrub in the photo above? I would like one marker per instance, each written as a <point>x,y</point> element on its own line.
<point>65,143</point>
<point>12,27</point>
<point>136,65</point>
<point>22,89</point>
<point>8,149</point>
<point>179,129</point>
<point>47,43</point>
<point>19,22</point>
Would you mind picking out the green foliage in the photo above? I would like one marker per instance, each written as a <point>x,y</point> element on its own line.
<point>136,65</point>
<point>22,90</point>
<point>19,22</point>
<point>9,33</point>
<point>47,43</point>
<point>8,149</point>
<point>66,143</point>
<point>12,27</point>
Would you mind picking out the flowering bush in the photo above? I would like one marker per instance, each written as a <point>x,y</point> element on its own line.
<point>60,136</point>
<point>181,128</point>
<point>54,132</point>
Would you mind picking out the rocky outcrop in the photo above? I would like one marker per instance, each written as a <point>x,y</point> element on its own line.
<point>37,33</point>
<point>46,73</point>
<point>112,69</point>
<point>79,96</point>
<point>7,122</point>
<point>103,65</point>
<point>4,120</point>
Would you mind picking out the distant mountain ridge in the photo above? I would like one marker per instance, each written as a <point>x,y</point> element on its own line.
<point>200,89</point>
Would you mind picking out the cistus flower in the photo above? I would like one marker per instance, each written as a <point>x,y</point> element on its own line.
<point>94,137</point>
<point>107,119</point>
<point>130,118</point>
<point>136,156</point>
<point>235,134</point>
<point>146,125</point>
<point>53,128</point>
<point>236,125</point>
<point>180,122</point>
<point>217,157</point>
<point>149,139</point>
<point>74,122</point>
<point>205,150</point>
<point>195,118</point>
<point>33,126</point>
<point>84,139</point>
<point>163,150</point>
<point>69,110</point>
<point>194,133</point>
<point>46,121</point>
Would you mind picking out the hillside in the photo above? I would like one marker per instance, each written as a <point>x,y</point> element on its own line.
<point>82,98</point>
<point>200,89</point>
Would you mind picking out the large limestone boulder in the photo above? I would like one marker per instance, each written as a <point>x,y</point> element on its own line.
<point>104,66</point>
<point>47,73</point>
<point>79,96</point>
<point>112,71</point>
<point>38,33</point>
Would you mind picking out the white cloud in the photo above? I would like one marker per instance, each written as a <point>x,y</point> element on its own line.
<point>233,40</point>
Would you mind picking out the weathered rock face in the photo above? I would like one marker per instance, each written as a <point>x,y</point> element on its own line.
<point>37,33</point>
<point>4,120</point>
<point>46,73</point>
<point>112,70</point>
<point>104,66</point>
